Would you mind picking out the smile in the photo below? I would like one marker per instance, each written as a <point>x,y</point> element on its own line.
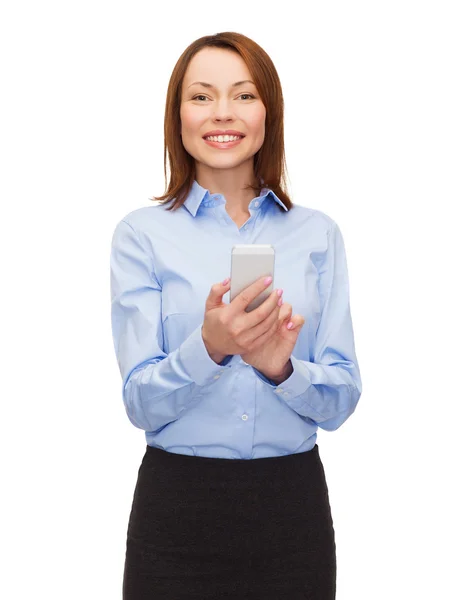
<point>223,145</point>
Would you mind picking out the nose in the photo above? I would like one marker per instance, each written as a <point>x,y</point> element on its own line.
<point>223,118</point>
<point>223,111</point>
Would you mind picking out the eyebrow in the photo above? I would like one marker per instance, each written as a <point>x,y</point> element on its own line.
<point>209,85</point>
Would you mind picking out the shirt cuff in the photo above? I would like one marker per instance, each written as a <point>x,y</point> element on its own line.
<point>197,362</point>
<point>295,385</point>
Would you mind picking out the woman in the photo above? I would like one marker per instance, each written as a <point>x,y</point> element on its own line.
<point>231,499</point>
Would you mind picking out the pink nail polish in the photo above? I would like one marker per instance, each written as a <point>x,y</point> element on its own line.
<point>290,325</point>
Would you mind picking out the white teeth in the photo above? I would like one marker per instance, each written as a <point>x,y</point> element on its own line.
<point>223,138</point>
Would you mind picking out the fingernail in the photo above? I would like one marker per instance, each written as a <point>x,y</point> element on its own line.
<point>267,280</point>
<point>225,281</point>
<point>280,301</point>
<point>290,325</point>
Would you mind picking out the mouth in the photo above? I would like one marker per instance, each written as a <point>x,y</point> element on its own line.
<point>224,145</point>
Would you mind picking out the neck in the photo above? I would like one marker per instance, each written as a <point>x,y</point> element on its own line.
<point>231,183</point>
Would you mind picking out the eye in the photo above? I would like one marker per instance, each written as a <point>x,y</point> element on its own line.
<point>202,96</point>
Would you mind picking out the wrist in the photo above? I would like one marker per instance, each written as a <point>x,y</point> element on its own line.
<point>285,374</point>
<point>217,357</point>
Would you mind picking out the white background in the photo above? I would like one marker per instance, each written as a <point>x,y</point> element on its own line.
<point>367,97</point>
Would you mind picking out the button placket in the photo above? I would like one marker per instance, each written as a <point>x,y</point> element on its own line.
<point>219,374</point>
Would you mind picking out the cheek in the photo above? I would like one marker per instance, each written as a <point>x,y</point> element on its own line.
<point>257,122</point>
<point>190,121</point>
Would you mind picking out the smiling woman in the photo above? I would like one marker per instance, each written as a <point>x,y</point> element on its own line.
<point>224,85</point>
<point>231,499</point>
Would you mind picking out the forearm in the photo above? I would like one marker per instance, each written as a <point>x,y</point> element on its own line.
<point>326,394</point>
<point>155,393</point>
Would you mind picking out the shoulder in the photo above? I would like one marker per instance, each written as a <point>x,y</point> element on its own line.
<point>317,219</point>
<point>149,219</point>
<point>323,219</point>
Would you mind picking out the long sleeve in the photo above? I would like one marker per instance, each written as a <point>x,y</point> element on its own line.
<point>157,386</point>
<point>326,390</point>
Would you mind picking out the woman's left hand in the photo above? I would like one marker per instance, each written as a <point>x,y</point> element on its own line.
<point>272,357</point>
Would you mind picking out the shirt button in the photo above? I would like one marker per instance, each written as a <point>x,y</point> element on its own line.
<point>244,417</point>
<point>257,203</point>
<point>216,376</point>
<point>278,390</point>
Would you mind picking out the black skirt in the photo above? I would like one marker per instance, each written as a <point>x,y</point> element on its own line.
<point>211,528</point>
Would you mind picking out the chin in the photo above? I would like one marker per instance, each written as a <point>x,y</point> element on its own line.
<point>221,164</point>
<point>224,156</point>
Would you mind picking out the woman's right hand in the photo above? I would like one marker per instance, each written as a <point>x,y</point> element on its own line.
<point>229,329</point>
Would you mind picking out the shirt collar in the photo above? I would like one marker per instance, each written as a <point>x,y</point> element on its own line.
<point>198,195</point>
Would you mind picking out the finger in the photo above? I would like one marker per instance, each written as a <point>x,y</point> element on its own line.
<point>216,294</point>
<point>256,317</point>
<point>264,326</point>
<point>285,311</point>
<point>297,322</point>
<point>263,311</point>
<point>264,336</point>
<point>246,296</point>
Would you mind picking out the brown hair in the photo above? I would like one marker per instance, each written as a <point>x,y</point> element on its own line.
<point>269,161</point>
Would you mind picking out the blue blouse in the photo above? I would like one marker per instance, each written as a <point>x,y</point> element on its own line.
<point>163,264</point>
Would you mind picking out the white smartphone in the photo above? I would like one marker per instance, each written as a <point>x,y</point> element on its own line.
<point>250,262</point>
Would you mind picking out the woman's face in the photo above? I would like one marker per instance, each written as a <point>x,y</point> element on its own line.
<point>221,107</point>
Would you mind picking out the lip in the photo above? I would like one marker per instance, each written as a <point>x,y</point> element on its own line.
<point>223,145</point>
<point>226,132</point>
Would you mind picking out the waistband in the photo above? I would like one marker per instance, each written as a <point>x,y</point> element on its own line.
<point>163,457</point>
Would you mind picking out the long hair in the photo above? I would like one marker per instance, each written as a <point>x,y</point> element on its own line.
<point>269,162</point>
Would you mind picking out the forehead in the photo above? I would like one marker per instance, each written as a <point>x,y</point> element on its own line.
<point>216,66</point>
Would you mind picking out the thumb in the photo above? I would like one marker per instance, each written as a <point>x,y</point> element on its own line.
<point>218,290</point>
